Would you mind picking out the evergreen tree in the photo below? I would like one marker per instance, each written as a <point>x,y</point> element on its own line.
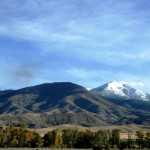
<point>115,138</point>
<point>49,138</point>
<point>101,138</point>
<point>85,139</point>
<point>70,137</point>
<point>147,139</point>
<point>140,138</point>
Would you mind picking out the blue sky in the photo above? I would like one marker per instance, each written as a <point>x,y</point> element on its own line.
<point>88,42</point>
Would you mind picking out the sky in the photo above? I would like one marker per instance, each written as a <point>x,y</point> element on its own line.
<point>87,42</point>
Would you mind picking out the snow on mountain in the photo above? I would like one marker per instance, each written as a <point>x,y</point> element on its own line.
<point>120,90</point>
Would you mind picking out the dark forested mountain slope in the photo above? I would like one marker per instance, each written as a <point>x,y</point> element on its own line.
<point>63,103</point>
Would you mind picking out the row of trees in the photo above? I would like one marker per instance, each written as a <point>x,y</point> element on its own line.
<point>69,138</point>
<point>143,140</point>
<point>19,137</point>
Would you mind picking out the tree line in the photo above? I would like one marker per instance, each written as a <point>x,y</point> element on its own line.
<point>70,138</point>
<point>19,137</point>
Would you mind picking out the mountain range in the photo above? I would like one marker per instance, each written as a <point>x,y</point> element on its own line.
<point>51,104</point>
<point>123,95</point>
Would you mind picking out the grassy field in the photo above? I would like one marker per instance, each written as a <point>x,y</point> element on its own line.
<point>57,149</point>
<point>124,128</point>
<point>41,149</point>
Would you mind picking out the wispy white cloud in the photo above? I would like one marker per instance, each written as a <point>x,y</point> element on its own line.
<point>137,84</point>
<point>36,32</point>
<point>98,40</point>
<point>95,26</point>
<point>134,83</point>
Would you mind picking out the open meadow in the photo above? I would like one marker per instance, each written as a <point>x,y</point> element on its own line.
<point>59,149</point>
<point>41,149</point>
<point>123,129</point>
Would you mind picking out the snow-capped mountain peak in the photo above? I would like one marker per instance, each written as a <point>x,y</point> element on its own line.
<point>120,89</point>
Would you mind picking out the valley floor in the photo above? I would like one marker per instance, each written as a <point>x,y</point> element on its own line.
<point>59,149</point>
<point>124,129</point>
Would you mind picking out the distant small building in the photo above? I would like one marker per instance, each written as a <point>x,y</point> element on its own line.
<point>126,136</point>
